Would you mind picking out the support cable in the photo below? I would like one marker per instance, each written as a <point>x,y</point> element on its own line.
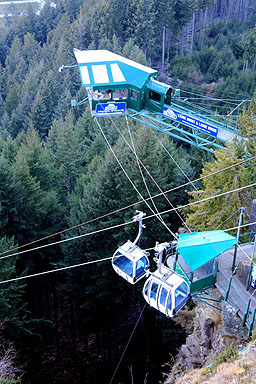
<point>212,98</point>
<point>143,178</point>
<point>208,198</point>
<point>94,261</point>
<point>121,358</point>
<point>130,222</point>
<point>126,207</point>
<point>69,239</point>
<point>154,181</point>
<point>55,270</point>
<point>246,254</point>
<point>227,219</point>
<point>175,162</point>
<point>128,177</point>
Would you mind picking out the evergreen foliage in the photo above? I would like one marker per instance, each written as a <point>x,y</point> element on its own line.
<point>220,210</point>
<point>57,172</point>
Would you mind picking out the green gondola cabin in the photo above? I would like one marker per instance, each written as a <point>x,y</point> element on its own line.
<point>197,257</point>
<point>119,86</point>
<point>114,83</point>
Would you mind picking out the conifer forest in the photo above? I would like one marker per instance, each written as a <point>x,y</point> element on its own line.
<point>60,180</point>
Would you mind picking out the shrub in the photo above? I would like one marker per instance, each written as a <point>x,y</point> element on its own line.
<point>229,353</point>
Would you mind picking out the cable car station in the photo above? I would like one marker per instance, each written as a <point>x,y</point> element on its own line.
<point>118,86</point>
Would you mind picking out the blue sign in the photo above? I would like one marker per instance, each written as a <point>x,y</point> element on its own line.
<point>190,121</point>
<point>110,108</point>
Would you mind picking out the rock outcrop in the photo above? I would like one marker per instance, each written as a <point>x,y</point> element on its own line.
<point>209,331</point>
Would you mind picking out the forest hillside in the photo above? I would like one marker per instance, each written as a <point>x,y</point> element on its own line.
<point>65,200</point>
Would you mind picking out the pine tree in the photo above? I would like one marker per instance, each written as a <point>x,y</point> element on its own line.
<point>211,214</point>
<point>38,210</point>
<point>250,48</point>
<point>67,148</point>
<point>9,197</point>
<point>208,214</point>
<point>13,58</point>
<point>145,22</point>
<point>12,99</point>
<point>39,161</point>
<point>12,312</point>
<point>30,48</point>
<point>40,115</point>
<point>133,52</point>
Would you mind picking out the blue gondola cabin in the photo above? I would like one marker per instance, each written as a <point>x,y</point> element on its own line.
<point>130,262</point>
<point>166,291</point>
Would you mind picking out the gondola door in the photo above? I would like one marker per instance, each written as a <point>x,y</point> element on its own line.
<point>153,294</point>
<point>164,296</point>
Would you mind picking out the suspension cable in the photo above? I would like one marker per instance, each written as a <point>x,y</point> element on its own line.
<point>175,162</point>
<point>69,239</point>
<point>121,358</point>
<point>127,223</point>
<point>96,261</point>
<point>143,178</point>
<point>154,181</point>
<point>128,177</point>
<point>207,198</point>
<point>126,207</point>
<point>246,254</point>
<point>212,98</point>
<point>227,219</point>
<point>55,270</point>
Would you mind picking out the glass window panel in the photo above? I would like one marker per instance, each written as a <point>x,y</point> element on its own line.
<point>142,265</point>
<point>102,94</point>
<point>85,75</point>
<point>170,303</point>
<point>163,296</point>
<point>153,291</point>
<point>120,94</point>
<point>181,295</point>
<point>155,96</point>
<point>117,74</point>
<point>134,94</point>
<point>100,73</point>
<point>123,263</point>
<point>146,289</point>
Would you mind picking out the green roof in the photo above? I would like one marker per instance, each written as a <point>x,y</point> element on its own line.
<point>157,86</point>
<point>104,68</point>
<point>198,248</point>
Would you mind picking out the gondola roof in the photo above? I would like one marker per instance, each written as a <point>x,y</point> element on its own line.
<point>198,248</point>
<point>105,68</point>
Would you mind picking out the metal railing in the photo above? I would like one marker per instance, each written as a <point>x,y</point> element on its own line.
<point>207,115</point>
<point>247,237</point>
<point>234,297</point>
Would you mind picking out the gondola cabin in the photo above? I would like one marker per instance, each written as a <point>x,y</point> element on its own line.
<point>196,258</point>
<point>130,262</point>
<point>114,83</point>
<point>192,268</point>
<point>166,291</point>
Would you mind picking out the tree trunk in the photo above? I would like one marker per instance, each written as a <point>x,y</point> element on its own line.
<point>254,63</point>
<point>168,44</point>
<point>203,29</point>
<point>56,319</point>
<point>245,66</point>
<point>72,326</point>
<point>192,33</point>
<point>163,51</point>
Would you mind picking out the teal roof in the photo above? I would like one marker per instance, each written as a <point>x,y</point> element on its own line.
<point>198,248</point>
<point>105,68</point>
<point>158,86</point>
